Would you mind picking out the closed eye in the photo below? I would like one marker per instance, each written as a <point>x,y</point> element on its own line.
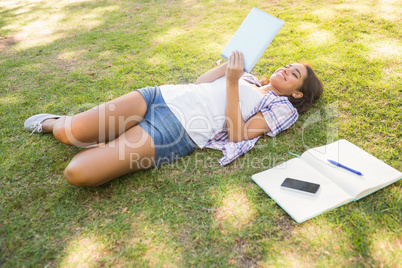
<point>289,66</point>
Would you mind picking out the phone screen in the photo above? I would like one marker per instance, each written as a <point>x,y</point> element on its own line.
<point>299,185</point>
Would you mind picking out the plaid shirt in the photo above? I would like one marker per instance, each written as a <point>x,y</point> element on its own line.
<point>278,112</point>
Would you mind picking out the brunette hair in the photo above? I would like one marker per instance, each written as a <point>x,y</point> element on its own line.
<point>312,88</point>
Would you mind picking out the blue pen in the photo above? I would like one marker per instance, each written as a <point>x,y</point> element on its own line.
<point>347,168</point>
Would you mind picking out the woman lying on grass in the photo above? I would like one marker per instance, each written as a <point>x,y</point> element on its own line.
<point>225,109</point>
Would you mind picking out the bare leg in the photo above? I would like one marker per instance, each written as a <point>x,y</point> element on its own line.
<point>100,124</point>
<point>133,150</point>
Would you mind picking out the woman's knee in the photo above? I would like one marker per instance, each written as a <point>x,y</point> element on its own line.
<point>77,175</point>
<point>82,171</point>
<point>74,176</point>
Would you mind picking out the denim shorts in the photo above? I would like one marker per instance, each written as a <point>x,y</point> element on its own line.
<point>168,134</point>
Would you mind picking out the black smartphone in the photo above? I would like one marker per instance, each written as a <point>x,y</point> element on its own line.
<point>298,185</point>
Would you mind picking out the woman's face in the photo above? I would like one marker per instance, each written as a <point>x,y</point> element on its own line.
<point>287,80</point>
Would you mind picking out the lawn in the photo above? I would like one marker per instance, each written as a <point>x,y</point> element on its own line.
<point>63,57</point>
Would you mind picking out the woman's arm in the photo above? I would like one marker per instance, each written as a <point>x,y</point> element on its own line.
<point>212,74</point>
<point>255,126</point>
<point>238,129</point>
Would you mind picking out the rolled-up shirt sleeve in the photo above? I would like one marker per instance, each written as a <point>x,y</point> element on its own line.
<point>279,115</point>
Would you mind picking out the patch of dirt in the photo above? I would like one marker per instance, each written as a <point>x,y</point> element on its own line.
<point>7,41</point>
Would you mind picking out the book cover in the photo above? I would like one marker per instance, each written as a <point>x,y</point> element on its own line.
<point>253,37</point>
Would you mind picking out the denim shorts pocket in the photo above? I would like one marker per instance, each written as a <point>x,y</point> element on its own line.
<point>170,138</point>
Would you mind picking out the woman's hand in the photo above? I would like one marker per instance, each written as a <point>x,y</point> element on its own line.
<point>234,120</point>
<point>235,67</point>
<point>237,128</point>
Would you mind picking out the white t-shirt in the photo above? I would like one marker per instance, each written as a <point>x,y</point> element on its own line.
<point>201,108</point>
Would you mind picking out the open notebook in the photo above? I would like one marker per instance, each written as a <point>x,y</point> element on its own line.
<point>338,186</point>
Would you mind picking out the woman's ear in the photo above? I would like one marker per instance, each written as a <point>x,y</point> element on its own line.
<point>297,95</point>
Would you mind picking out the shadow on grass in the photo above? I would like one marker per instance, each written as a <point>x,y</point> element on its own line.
<point>70,56</point>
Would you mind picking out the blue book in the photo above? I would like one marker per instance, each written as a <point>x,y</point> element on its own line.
<point>253,37</point>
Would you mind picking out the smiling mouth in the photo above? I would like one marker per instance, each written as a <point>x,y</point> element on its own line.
<point>282,76</point>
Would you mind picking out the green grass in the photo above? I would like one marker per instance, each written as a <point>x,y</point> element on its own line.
<point>67,56</point>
